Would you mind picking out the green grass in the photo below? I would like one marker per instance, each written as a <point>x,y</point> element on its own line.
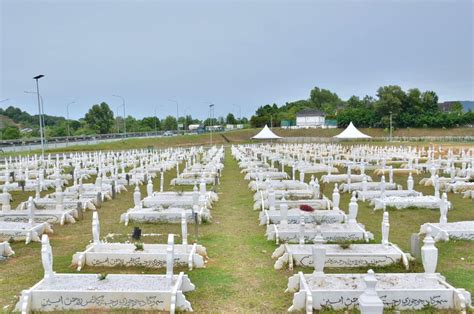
<point>239,276</point>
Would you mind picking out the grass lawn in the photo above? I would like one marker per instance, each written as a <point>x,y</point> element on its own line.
<point>239,276</point>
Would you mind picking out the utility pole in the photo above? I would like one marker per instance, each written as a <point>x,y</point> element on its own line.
<point>116,118</point>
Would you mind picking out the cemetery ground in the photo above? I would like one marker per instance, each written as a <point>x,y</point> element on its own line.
<point>239,276</point>
<point>243,136</point>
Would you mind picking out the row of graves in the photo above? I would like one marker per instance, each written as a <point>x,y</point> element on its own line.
<point>169,206</point>
<point>114,172</point>
<point>66,175</point>
<point>313,230</point>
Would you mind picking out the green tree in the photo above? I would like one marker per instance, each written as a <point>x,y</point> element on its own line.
<point>100,118</point>
<point>57,131</point>
<point>457,107</point>
<point>149,123</point>
<point>429,101</point>
<point>391,99</point>
<point>169,123</point>
<point>325,100</point>
<point>132,124</point>
<point>11,133</point>
<point>354,102</point>
<point>230,119</point>
<point>209,122</point>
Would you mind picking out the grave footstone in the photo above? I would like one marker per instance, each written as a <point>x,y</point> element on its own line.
<point>137,233</point>
<point>415,247</point>
<point>369,301</point>
<point>114,192</point>
<point>99,199</point>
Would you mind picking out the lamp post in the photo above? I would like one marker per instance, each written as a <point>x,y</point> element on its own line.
<point>177,113</point>
<point>67,116</point>
<point>117,116</point>
<point>40,111</point>
<point>43,124</point>
<point>124,123</point>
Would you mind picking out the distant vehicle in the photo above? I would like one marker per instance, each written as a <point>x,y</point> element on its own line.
<point>168,133</point>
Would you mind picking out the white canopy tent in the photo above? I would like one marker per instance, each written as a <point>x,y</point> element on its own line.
<point>266,134</point>
<point>351,132</point>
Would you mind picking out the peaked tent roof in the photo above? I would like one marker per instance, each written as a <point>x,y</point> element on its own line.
<point>266,134</point>
<point>352,132</point>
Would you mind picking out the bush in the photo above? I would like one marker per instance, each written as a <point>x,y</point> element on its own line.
<point>11,133</point>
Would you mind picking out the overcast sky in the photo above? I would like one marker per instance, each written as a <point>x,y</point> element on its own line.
<point>246,53</point>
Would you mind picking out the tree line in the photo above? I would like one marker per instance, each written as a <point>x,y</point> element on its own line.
<point>412,108</point>
<point>99,119</point>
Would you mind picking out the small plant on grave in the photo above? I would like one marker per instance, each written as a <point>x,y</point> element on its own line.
<point>294,198</point>
<point>138,246</point>
<point>327,308</point>
<point>390,208</point>
<point>429,308</point>
<point>345,245</point>
<point>412,265</point>
<point>102,276</point>
<point>412,208</point>
<point>318,221</point>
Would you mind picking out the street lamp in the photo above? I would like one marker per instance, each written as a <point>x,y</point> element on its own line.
<point>177,113</point>
<point>67,116</point>
<point>124,123</point>
<point>40,111</point>
<point>42,102</point>
<point>117,116</point>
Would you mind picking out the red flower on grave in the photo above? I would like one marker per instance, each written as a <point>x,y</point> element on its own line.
<point>306,208</point>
